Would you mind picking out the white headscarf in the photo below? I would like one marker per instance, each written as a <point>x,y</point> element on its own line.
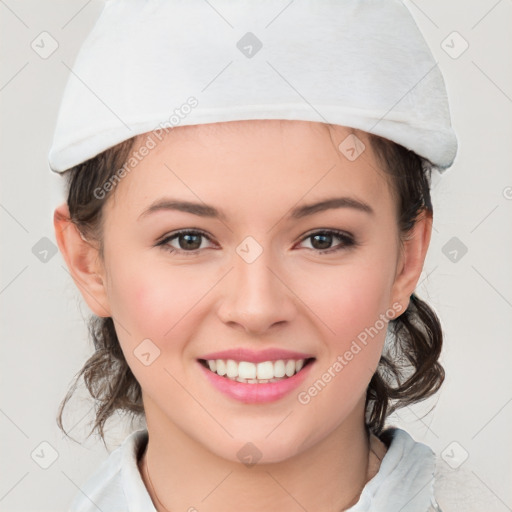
<point>154,64</point>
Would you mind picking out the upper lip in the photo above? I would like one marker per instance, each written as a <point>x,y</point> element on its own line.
<point>252,356</point>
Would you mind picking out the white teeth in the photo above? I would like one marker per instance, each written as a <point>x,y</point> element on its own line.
<point>231,369</point>
<point>290,368</point>
<point>246,370</point>
<point>221,367</point>
<point>265,370</point>
<point>253,373</point>
<point>279,368</point>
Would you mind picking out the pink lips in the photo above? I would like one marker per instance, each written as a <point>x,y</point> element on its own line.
<point>255,393</point>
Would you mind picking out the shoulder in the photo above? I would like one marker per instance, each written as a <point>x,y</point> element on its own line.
<point>413,478</point>
<point>116,485</point>
<point>404,478</point>
<point>461,490</point>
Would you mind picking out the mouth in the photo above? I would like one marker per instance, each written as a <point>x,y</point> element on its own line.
<point>263,372</point>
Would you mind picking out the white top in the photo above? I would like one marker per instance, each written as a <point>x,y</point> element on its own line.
<point>409,477</point>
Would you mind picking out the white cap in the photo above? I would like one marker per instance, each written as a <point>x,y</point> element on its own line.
<point>154,64</point>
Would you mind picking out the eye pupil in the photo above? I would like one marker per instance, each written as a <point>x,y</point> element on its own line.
<point>188,238</point>
<point>325,244</point>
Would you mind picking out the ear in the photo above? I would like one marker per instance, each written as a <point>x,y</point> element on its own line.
<point>82,259</point>
<point>412,259</point>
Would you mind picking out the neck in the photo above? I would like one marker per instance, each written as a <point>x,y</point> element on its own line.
<point>328,477</point>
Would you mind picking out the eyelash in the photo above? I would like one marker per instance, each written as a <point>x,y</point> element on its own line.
<point>348,241</point>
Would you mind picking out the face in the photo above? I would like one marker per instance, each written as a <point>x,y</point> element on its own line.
<point>265,279</point>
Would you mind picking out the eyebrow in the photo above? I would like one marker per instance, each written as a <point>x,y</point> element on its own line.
<point>204,210</point>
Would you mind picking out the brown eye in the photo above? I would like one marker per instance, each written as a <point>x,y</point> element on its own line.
<point>187,241</point>
<point>322,241</point>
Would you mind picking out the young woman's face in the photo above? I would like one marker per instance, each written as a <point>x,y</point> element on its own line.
<point>250,273</point>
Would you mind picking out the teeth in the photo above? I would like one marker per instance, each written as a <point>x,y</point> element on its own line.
<point>265,370</point>
<point>221,367</point>
<point>231,369</point>
<point>253,373</point>
<point>290,368</point>
<point>279,368</point>
<point>246,370</point>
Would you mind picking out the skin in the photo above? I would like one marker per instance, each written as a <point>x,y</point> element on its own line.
<point>314,456</point>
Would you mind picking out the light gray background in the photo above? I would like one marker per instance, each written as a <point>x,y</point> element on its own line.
<point>44,338</point>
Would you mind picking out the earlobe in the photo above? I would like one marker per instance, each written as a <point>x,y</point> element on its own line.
<point>82,260</point>
<point>412,259</point>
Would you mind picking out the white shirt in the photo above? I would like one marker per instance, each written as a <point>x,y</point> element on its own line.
<point>410,478</point>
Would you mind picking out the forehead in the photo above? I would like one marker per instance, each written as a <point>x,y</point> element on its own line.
<point>252,163</point>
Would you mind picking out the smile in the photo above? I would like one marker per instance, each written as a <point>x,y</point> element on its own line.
<point>255,373</point>
<point>255,383</point>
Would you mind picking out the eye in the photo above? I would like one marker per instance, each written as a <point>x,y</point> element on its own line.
<point>321,241</point>
<point>188,241</point>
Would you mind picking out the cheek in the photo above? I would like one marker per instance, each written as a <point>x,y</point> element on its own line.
<point>154,316</point>
<point>156,303</point>
<point>135,299</point>
<point>354,309</point>
<point>351,307</point>
<point>349,300</point>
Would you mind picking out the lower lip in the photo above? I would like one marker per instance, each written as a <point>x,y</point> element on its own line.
<point>256,393</point>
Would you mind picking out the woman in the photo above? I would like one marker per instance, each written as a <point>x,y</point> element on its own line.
<point>248,216</point>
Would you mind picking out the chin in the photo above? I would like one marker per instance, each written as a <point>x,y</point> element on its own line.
<point>259,449</point>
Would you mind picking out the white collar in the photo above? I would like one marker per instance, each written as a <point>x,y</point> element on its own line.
<point>403,483</point>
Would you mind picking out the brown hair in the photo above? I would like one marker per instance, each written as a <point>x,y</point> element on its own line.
<point>408,370</point>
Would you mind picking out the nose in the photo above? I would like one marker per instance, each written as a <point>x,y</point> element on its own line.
<point>256,296</point>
